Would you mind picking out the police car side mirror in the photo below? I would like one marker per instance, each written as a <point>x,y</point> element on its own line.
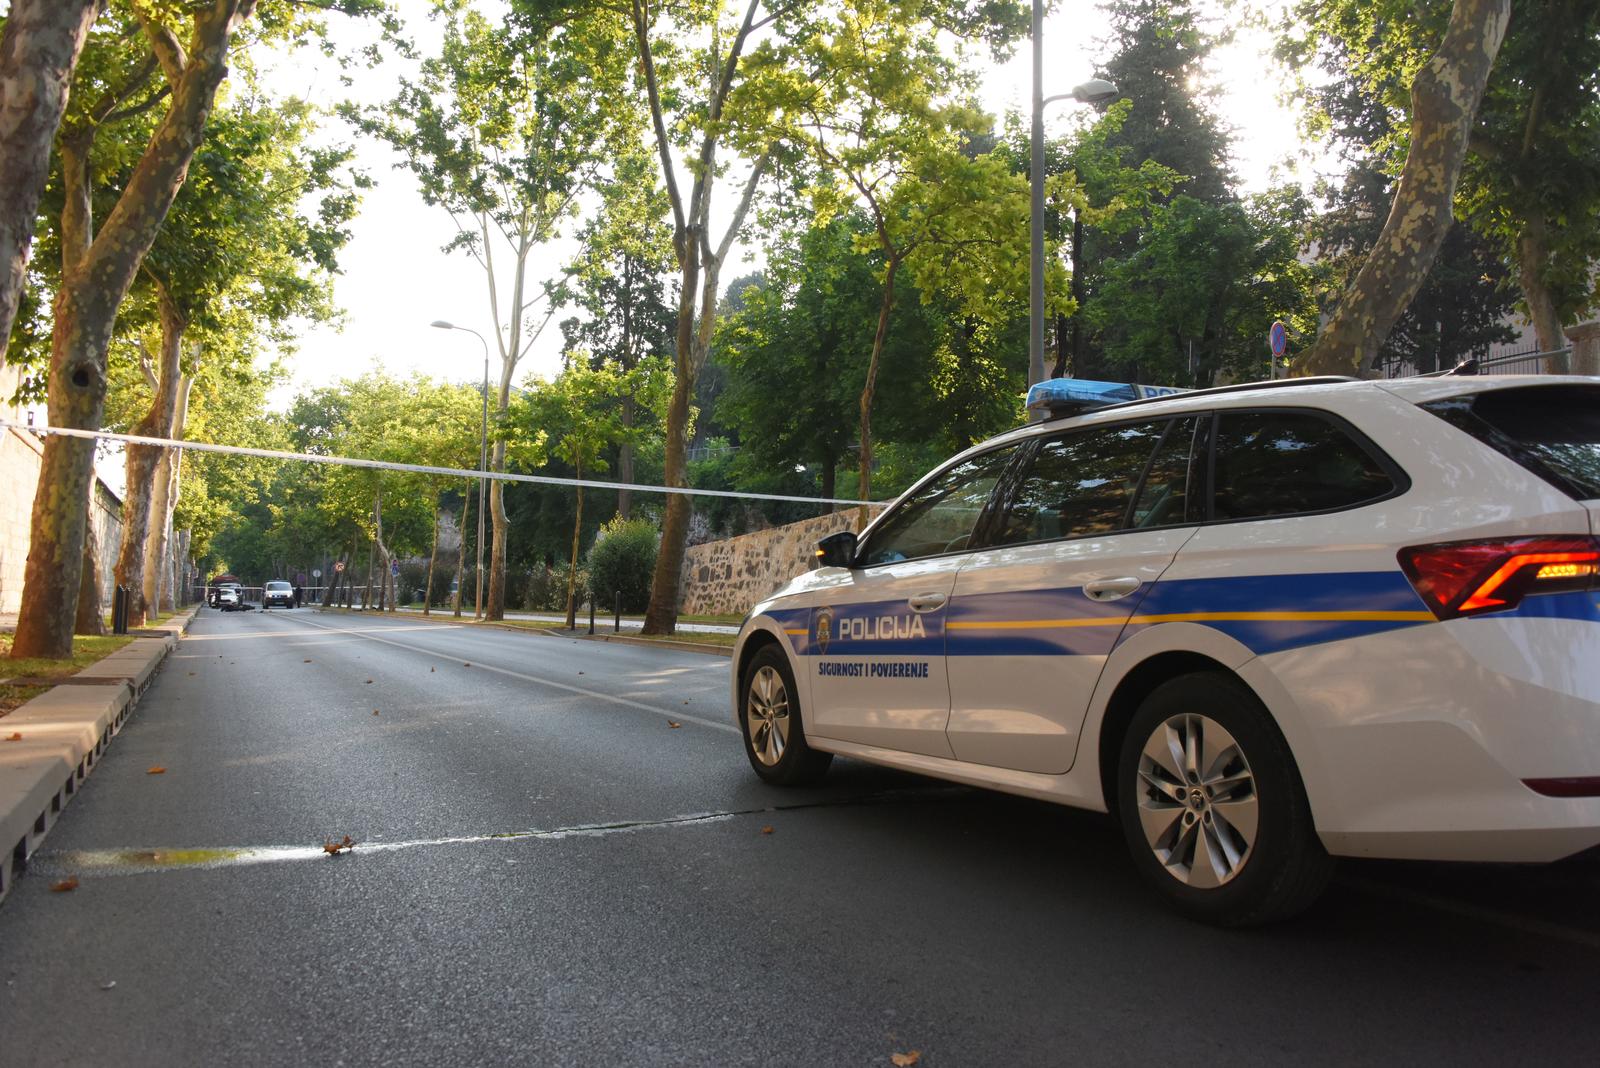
<point>837,550</point>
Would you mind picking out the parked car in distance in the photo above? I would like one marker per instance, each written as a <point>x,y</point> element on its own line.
<point>277,592</point>
<point>230,598</point>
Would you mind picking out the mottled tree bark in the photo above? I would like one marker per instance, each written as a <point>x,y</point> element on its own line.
<point>39,50</point>
<point>89,616</point>
<point>143,462</point>
<point>160,561</point>
<point>699,264</point>
<point>97,271</point>
<point>1444,101</point>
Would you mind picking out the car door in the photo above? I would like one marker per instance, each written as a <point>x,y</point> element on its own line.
<point>877,636</point>
<point>1090,522</point>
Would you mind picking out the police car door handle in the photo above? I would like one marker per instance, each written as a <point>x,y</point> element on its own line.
<point>1110,589</point>
<point>928,602</point>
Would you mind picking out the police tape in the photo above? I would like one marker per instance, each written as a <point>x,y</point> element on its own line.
<point>418,469</point>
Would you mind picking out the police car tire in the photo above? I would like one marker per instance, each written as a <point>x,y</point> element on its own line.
<point>1286,869</point>
<point>799,765</point>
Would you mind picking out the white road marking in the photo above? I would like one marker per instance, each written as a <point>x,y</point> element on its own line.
<point>668,713</point>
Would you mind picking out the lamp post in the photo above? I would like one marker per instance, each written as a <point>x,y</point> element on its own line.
<point>483,455</point>
<point>1094,91</point>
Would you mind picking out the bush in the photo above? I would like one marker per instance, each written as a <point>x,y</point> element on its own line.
<point>623,558</point>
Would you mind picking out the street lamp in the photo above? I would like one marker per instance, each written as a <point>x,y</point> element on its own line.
<point>1094,91</point>
<point>483,454</point>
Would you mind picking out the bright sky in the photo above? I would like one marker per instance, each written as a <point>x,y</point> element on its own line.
<point>396,280</point>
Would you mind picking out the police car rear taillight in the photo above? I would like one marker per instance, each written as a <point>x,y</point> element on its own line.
<point>1467,578</point>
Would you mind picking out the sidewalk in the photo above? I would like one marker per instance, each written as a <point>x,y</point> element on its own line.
<point>50,745</point>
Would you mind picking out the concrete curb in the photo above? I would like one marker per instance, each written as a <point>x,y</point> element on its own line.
<point>625,639</point>
<point>656,643</point>
<point>65,731</point>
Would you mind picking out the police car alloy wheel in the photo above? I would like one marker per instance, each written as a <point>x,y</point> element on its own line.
<point>1212,806</point>
<point>774,737</point>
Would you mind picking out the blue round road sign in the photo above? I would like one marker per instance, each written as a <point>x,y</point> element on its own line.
<point>1279,337</point>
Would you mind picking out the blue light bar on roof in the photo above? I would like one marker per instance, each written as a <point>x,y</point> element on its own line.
<point>1062,396</point>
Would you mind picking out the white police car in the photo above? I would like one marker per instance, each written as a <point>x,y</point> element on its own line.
<point>1262,624</point>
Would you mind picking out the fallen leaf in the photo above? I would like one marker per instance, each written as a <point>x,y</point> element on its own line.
<point>157,770</point>
<point>14,736</point>
<point>432,670</point>
<point>305,661</point>
<point>369,682</point>
<point>766,830</point>
<point>466,665</point>
<point>580,673</point>
<point>905,1060</point>
<point>333,849</point>
<point>374,711</point>
<point>674,724</point>
<point>66,885</point>
<point>109,984</point>
<point>686,702</point>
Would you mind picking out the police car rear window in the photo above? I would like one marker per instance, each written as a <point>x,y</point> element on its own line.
<point>1553,431</point>
<point>1278,463</point>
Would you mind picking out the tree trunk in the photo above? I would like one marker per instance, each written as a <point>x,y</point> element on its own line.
<point>1444,101</point>
<point>96,273</point>
<point>433,556</point>
<point>495,604</point>
<point>160,561</point>
<point>89,615</point>
<point>143,463</point>
<point>864,479</point>
<point>572,571</point>
<point>39,50</point>
<point>1533,254</point>
<point>661,617</point>
<point>625,457</point>
<point>461,554</point>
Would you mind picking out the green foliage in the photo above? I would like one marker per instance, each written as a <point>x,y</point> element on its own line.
<point>1206,280</point>
<point>1530,183</point>
<point>622,559</point>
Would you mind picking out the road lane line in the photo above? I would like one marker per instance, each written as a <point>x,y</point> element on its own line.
<point>97,862</point>
<point>668,713</point>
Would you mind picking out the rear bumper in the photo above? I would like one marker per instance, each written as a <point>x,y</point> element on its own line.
<point>1418,744</point>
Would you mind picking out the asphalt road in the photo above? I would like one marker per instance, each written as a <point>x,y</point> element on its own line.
<point>549,872</point>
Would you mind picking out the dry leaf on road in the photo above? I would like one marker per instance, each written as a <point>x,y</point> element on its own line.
<point>14,736</point>
<point>333,849</point>
<point>369,682</point>
<point>674,724</point>
<point>906,1060</point>
<point>766,830</point>
<point>66,885</point>
<point>157,770</point>
<point>374,711</point>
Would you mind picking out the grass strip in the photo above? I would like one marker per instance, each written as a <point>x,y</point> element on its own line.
<point>85,651</point>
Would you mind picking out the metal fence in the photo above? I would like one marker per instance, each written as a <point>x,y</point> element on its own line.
<point>1492,361</point>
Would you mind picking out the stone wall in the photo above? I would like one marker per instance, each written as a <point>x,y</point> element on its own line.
<point>728,577</point>
<point>20,456</point>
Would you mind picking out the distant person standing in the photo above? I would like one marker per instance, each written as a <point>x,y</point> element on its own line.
<point>297,595</point>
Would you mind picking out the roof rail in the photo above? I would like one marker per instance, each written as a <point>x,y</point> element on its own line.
<point>1238,387</point>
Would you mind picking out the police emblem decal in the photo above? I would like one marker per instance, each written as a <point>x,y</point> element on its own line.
<point>824,630</point>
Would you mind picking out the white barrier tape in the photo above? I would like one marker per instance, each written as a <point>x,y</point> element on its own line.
<point>418,469</point>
